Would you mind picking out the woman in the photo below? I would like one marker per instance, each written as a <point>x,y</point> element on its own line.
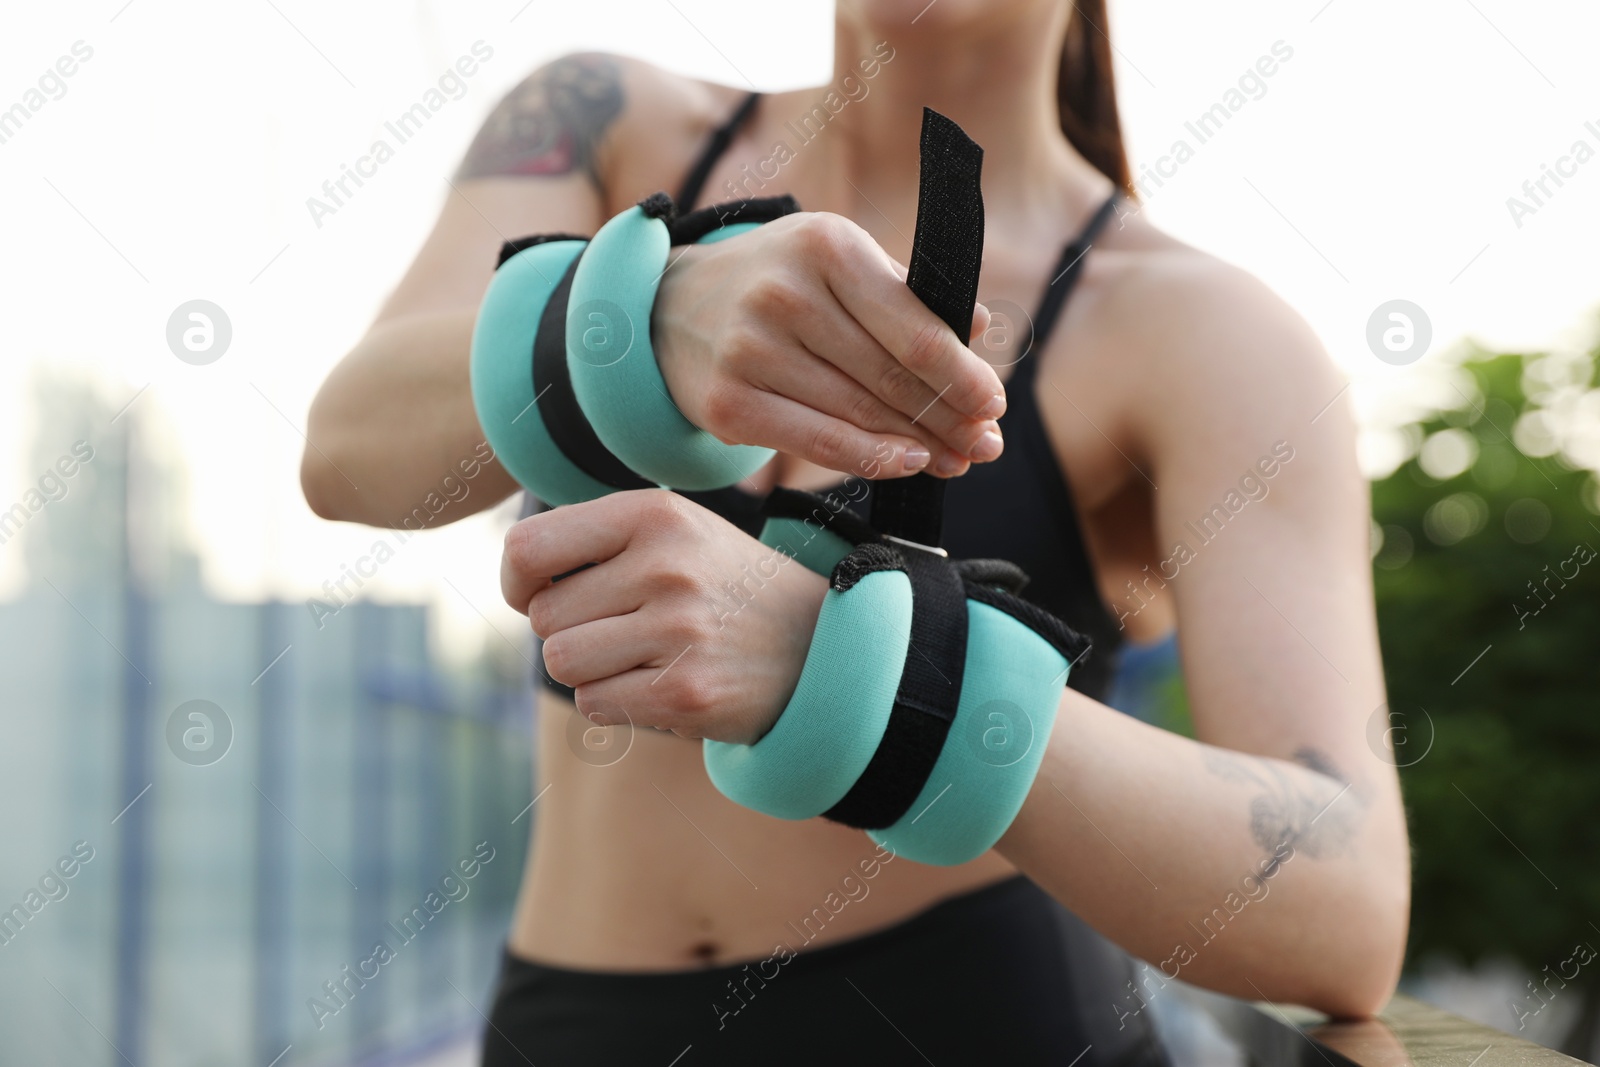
<point>1175,453</point>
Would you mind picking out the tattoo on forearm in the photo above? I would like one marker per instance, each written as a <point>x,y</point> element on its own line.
<point>551,124</point>
<point>1317,818</point>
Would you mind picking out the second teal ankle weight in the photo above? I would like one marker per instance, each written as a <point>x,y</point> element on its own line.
<point>613,365</point>
<point>502,384</point>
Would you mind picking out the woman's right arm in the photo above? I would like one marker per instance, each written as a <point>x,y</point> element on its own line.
<point>801,336</point>
<point>395,416</point>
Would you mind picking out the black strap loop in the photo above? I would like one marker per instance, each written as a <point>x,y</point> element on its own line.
<point>825,511</point>
<point>518,244</point>
<point>687,229</point>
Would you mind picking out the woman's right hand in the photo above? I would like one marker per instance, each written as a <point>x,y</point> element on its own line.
<point>802,336</point>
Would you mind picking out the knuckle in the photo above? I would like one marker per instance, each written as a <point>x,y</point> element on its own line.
<point>898,385</point>
<point>866,411</point>
<point>662,510</point>
<point>723,403</point>
<point>829,445</point>
<point>693,691</point>
<point>824,236</point>
<point>558,659</point>
<point>673,585</point>
<point>776,295</point>
<point>541,616</point>
<point>925,347</point>
<point>519,542</point>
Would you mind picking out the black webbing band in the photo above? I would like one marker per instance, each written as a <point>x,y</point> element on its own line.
<point>924,706</point>
<point>946,256</point>
<point>558,404</point>
<point>518,244</point>
<point>687,229</point>
<point>826,512</point>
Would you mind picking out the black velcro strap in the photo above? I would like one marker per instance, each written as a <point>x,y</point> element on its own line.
<point>946,257</point>
<point>689,228</point>
<point>947,252</point>
<point>911,509</point>
<point>996,572</point>
<point>558,405</point>
<point>518,244</point>
<point>924,706</point>
<point>824,511</point>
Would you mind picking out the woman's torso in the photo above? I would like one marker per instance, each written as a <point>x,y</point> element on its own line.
<point>638,863</point>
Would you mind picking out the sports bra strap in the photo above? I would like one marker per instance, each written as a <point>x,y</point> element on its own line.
<point>1063,278</point>
<point>721,137</point>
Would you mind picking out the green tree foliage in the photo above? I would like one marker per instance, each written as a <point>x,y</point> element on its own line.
<point>1489,542</point>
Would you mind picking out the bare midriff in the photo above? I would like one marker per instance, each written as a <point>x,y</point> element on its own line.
<point>638,863</point>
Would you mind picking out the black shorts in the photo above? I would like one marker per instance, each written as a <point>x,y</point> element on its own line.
<point>1003,975</point>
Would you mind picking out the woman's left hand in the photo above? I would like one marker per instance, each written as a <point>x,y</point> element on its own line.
<point>683,623</point>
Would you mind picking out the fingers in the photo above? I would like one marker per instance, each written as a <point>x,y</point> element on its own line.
<point>599,649</point>
<point>828,441</point>
<point>651,695</point>
<point>596,593</point>
<point>555,542</point>
<point>880,301</point>
<point>843,343</point>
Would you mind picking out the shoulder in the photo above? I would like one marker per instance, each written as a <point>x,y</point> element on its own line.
<point>622,122</point>
<point>1198,345</point>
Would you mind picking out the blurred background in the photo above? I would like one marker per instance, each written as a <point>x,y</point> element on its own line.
<point>252,751</point>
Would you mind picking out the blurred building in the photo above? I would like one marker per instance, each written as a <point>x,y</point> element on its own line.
<point>241,860</point>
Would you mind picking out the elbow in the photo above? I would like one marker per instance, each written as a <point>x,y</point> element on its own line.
<point>328,493</point>
<point>321,497</point>
<point>1373,939</point>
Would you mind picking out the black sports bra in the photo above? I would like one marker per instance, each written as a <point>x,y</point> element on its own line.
<point>1017,508</point>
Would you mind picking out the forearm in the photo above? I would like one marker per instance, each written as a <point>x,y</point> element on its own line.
<point>1261,878</point>
<point>393,420</point>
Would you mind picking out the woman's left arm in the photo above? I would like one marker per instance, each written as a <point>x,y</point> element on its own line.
<point>1268,858</point>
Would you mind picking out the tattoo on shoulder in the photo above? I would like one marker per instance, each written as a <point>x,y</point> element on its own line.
<point>1318,818</point>
<point>551,124</point>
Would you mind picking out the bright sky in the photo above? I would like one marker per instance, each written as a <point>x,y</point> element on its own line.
<point>1376,165</point>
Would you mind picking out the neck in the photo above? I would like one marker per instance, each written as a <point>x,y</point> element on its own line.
<point>997,81</point>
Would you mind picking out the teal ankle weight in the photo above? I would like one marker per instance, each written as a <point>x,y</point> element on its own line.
<point>834,721</point>
<point>522,387</point>
<point>1013,684</point>
<point>613,366</point>
<point>502,382</point>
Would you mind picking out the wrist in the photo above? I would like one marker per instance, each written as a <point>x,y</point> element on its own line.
<point>666,317</point>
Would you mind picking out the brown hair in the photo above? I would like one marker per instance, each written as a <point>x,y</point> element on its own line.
<point>1086,94</point>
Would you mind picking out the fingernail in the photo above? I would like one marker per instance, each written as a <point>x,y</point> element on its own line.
<point>916,458</point>
<point>989,447</point>
<point>994,408</point>
<point>949,463</point>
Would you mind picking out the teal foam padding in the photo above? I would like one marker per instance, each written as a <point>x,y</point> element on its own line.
<point>834,722</point>
<point>613,367</point>
<point>733,229</point>
<point>817,549</point>
<point>1012,675</point>
<point>502,375</point>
